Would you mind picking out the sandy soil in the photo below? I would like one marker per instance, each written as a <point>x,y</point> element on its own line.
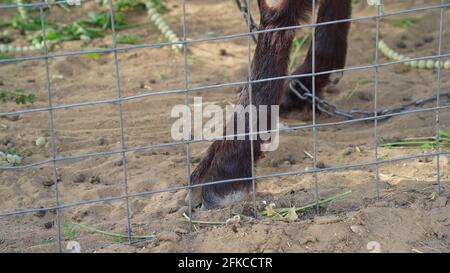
<point>409,217</point>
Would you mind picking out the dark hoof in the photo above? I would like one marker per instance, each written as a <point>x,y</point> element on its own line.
<point>196,198</point>
<point>210,200</point>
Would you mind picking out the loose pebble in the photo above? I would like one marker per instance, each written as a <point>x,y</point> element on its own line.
<point>47,182</point>
<point>95,179</point>
<point>348,151</point>
<point>79,178</point>
<point>40,213</point>
<point>40,142</point>
<point>48,225</point>
<point>356,229</point>
<point>223,52</point>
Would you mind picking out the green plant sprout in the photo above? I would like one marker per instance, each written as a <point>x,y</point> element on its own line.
<point>19,96</point>
<point>421,142</point>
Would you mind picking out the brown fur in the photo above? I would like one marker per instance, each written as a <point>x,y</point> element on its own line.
<point>330,52</point>
<point>231,159</point>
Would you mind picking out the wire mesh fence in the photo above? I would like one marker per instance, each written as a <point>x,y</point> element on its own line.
<point>439,101</point>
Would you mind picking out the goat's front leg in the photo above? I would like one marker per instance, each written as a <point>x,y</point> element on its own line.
<point>231,159</point>
<point>330,52</point>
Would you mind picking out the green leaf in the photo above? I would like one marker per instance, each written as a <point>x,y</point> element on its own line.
<point>3,56</point>
<point>69,230</point>
<point>19,96</point>
<point>406,22</point>
<point>128,39</point>
<point>93,56</point>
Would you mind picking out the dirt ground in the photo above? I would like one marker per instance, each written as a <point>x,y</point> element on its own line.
<point>408,217</point>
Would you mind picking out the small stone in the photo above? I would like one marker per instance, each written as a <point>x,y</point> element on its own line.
<point>95,179</point>
<point>356,229</point>
<point>102,141</point>
<point>291,159</point>
<point>223,52</point>
<point>47,182</point>
<point>348,151</point>
<point>79,178</point>
<point>7,141</point>
<point>321,165</point>
<point>425,160</point>
<point>40,213</point>
<point>234,228</point>
<point>119,163</point>
<point>401,45</point>
<point>365,96</point>
<point>40,142</point>
<point>48,225</point>
<point>286,163</point>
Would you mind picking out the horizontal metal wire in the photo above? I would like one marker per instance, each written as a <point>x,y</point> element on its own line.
<point>39,4</point>
<point>218,38</point>
<point>215,86</point>
<point>274,175</point>
<point>176,143</point>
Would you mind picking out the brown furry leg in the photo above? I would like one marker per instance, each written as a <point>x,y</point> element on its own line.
<point>231,159</point>
<point>330,52</point>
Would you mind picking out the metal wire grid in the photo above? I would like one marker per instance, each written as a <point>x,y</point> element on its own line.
<point>187,89</point>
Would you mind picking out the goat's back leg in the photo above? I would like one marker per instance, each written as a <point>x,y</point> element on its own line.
<point>330,52</point>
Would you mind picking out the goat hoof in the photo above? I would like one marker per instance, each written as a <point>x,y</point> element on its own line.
<point>196,198</point>
<point>336,77</point>
<point>214,201</point>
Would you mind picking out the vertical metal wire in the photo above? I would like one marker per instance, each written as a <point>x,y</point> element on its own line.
<point>51,125</point>
<point>313,80</point>
<point>438,96</point>
<point>186,102</point>
<point>250,78</point>
<point>122,134</point>
<point>377,79</point>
